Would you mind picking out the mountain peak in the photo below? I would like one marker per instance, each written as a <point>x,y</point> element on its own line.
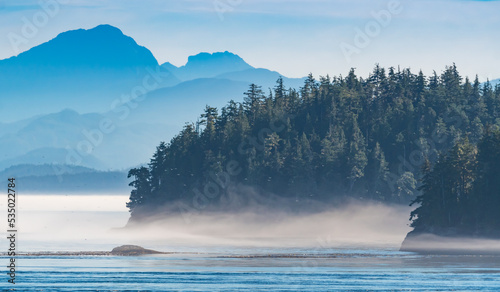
<point>83,69</point>
<point>99,31</point>
<point>217,57</point>
<point>207,65</point>
<point>103,46</point>
<point>107,28</point>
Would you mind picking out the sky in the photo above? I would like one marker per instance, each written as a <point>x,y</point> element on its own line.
<point>292,37</point>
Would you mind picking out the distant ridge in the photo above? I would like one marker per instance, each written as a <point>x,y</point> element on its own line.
<point>104,46</point>
<point>54,93</point>
<point>206,65</point>
<point>84,69</point>
<point>227,65</point>
<point>495,82</point>
<point>64,179</point>
<point>23,170</point>
<point>90,70</point>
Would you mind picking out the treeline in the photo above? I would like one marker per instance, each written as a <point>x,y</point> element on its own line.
<point>461,192</point>
<point>341,136</point>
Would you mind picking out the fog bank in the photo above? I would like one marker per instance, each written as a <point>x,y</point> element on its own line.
<point>434,244</point>
<point>53,223</point>
<point>354,223</point>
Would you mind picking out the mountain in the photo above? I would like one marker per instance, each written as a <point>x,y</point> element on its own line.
<point>176,105</point>
<point>104,46</point>
<point>9,128</point>
<point>262,77</point>
<point>226,65</point>
<point>97,182</point>
<point>92,70</point>
<point>81,69</point>
<point>55,178</point>
<point>24,170</point>
<point>206,65</point>
<point>49,131</point>
<point>65,137</point>
<point>182,103</point>
<point>48,155</point>
<point>55,94</point>
<point>68,137</point>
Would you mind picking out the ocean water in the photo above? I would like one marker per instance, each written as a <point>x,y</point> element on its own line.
<point>266,270</point>
<point>352,249</point>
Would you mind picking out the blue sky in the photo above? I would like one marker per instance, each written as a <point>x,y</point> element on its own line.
<point>292,37</point>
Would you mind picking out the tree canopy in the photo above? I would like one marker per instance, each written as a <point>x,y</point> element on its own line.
<point>461,193</point>
<point>341,136</point>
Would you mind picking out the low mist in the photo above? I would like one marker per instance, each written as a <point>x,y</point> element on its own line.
<point>99,222</point>
<point>360,224</point>
<point>68,222</point>
<point>433,244</point>
<point>60,223</point>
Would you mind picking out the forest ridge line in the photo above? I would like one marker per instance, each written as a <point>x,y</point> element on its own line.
<point>365,138</point>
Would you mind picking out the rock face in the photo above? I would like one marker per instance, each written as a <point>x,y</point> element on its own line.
<point>132,250</point>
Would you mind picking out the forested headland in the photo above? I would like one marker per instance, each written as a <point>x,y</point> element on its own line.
<point>461,191</point>
<point>387,137</point>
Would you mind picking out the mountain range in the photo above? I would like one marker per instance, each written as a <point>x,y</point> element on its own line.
<point>56,97</point>
<point>95,98</point>
<point>40,179</point>
<point>90,70</point>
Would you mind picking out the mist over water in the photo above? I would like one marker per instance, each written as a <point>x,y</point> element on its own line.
<point>99,223</point>
<point>353,224</point>
<point>430,243</point>
<point>68,222</point>
<point>81,223</point>
<point>353,246</point>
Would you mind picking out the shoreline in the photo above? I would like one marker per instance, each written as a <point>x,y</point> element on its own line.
<point>251,256</point>
<point>432,244</point>
<point>79,253</point>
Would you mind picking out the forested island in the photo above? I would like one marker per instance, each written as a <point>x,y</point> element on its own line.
<point>394,136</point>
<point>461,192</point>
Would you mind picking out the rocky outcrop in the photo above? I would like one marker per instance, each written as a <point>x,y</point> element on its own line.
<point>133,250</point>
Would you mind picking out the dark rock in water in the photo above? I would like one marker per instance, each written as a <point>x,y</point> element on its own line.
<point>132,250</point>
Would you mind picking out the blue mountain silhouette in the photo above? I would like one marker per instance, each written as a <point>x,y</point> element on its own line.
<point>206,65</point>
<point>54,91</point>
<point>102,47</point>
<point>81,69</point>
